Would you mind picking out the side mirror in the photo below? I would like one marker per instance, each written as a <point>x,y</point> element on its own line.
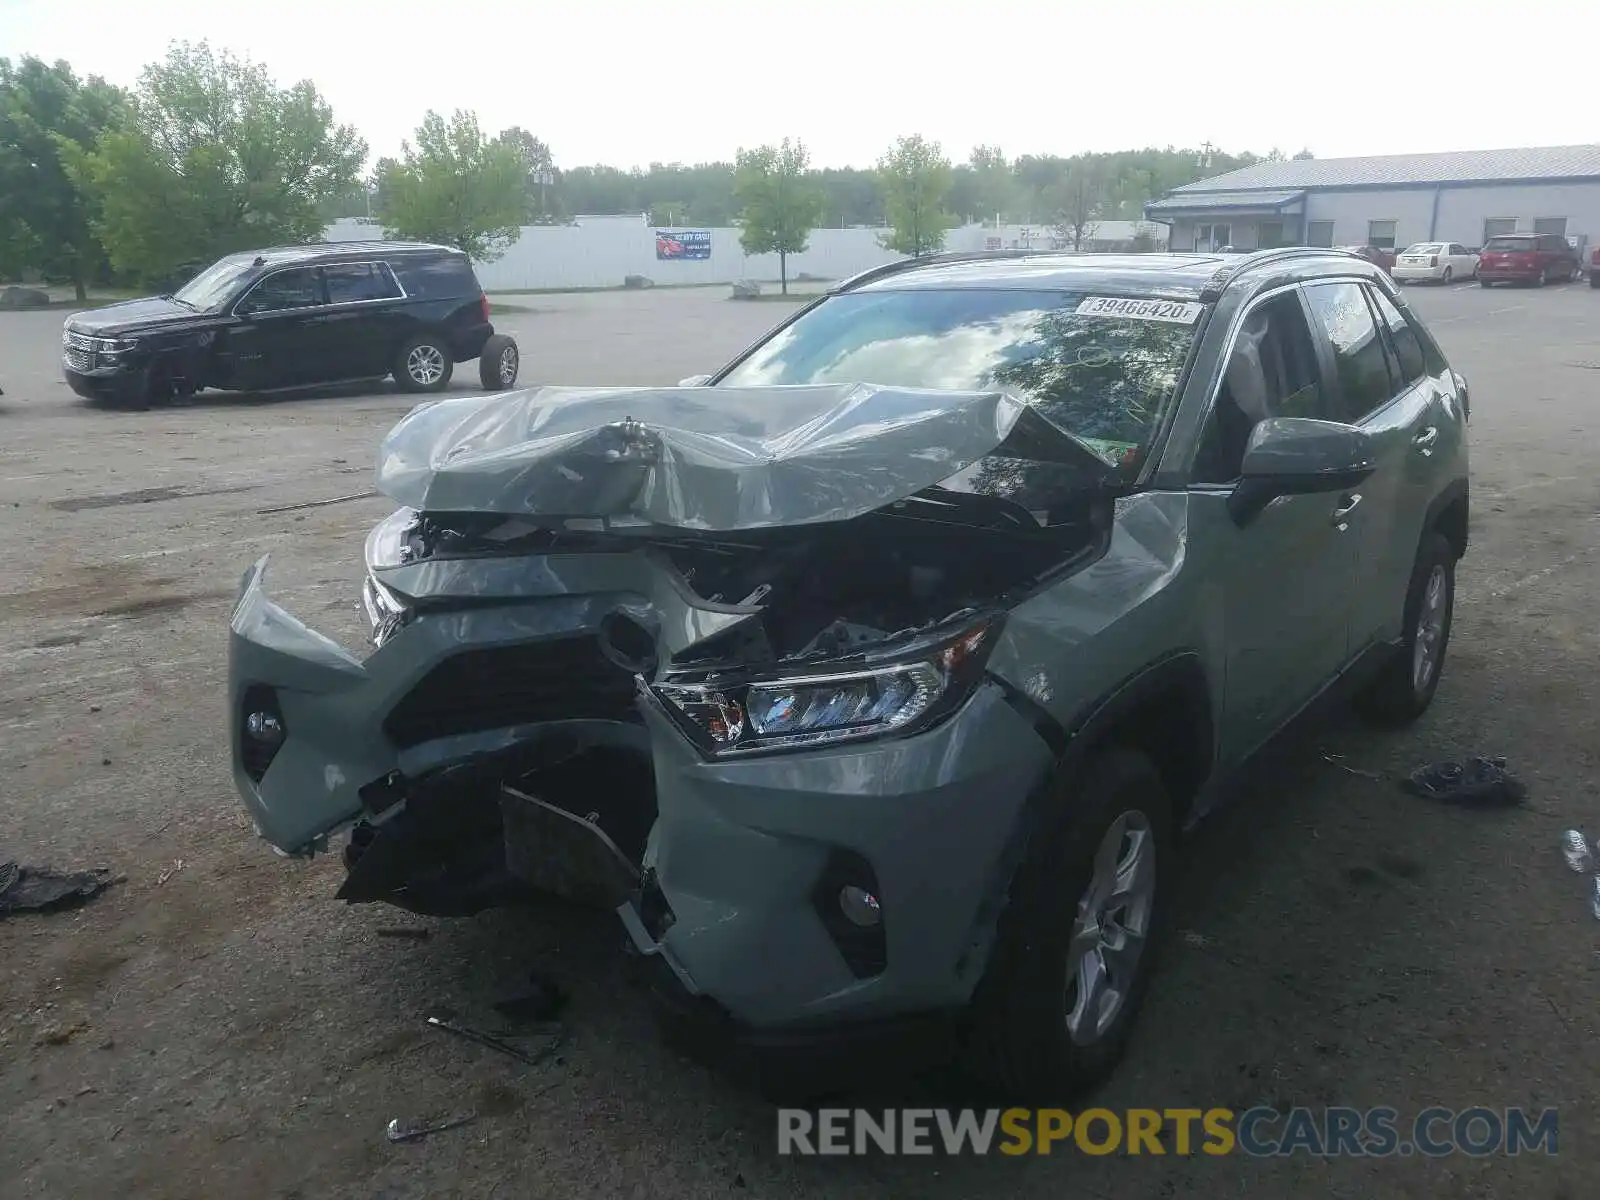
<point>1298,456</point>
<point>695,381</point>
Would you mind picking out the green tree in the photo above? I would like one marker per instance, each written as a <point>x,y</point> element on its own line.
<point>916,179</point>
<point>48,114</point>
<point>539,171</point>
<point>214,157</point>
<point>1079,200</point>
<point>996,182</point>
<point>458,187</point>
<point>779,204</point>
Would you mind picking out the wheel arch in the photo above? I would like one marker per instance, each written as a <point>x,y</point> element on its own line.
<point>1449,514</point>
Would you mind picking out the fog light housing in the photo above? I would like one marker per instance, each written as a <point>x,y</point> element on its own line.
<point>846,899</point>
<point>860,907</point>
<point>262,730</point>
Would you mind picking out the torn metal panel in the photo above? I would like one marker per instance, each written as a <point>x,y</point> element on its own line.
<point>706,458</point>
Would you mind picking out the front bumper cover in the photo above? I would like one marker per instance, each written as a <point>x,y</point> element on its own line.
<point>739,849</point>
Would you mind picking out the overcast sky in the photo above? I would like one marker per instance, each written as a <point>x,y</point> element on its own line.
<point>627,82</point>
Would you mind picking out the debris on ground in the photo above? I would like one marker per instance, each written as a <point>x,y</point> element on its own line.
<point>1197,940</point>
<point>554,1033</point>
<point>541,1000</point>
<point>177,865</point>
<point>1478,782</point>
<point>415,1131</point>
<point>1338,761</point>
<point>41,889</point>
<point>59,1035</point>
<point>1575,849</point>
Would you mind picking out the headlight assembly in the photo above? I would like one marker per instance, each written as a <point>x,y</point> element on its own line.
<point>912,691</point>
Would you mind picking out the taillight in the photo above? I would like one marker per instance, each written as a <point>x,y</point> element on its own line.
<point>483,302</point>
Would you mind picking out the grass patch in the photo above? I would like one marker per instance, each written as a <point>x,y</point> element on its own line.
<point>500,306</point>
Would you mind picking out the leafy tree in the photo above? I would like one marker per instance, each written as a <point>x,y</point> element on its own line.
<point>1303,155</point>
<point>995,182</point>
<point>214,157</point>
<point>916,179</point>
<point>46,114</point>
<point>778,202</point>
<point>1079,200</point>
<point>458,187</point>
<point>538,171</point>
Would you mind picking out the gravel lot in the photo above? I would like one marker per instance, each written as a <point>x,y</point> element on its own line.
<point>219,1025</point>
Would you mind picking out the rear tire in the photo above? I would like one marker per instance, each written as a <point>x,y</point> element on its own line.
<point>1032,1035</point>
<point>423,364</point>
<point>1449,273</point>
<point>1402,691</point>
<point>1484,283</point>
<point>499,363</point>
<point>1594,279</point>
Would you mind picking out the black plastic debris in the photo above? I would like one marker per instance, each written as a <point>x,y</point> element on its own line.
<point>443,1019</point>
<point>541,1000</point>
<point>1478,782</point>
<point>41,889</point>
<point>414,1131</point>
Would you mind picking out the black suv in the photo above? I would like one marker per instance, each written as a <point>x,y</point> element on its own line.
<point>292,316</point>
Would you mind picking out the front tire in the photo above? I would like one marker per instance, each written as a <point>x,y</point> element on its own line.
<point>499,363</point>
<point>1404,689</point>
<point>1594,278</point>
<point>1073,954</point>
<point>423,364</point>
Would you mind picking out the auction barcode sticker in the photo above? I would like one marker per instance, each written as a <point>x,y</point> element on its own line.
<point>1176,312</point>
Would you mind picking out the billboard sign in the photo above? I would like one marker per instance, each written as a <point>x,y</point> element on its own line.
<point>683,243</point>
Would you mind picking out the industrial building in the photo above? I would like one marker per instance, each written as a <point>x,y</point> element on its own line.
<point>1465,196</point>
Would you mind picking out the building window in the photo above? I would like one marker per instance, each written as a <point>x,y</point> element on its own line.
<point>1555,225</point>
<point>1212,237</point>
<point>1498,226</point>
<point>1319,233</point>
<point>1381,234</point>
<point>1269,234</point>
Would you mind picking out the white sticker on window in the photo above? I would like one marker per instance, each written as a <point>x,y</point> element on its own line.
<point>1174,312</point>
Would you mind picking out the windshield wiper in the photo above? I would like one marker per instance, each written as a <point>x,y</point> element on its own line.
<point>180,300</point>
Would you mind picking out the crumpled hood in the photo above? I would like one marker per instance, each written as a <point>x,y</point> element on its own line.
<point>706,458</point>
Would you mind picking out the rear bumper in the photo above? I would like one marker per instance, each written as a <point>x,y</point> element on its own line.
<point>1509,274</point>
<point>1417,273</point>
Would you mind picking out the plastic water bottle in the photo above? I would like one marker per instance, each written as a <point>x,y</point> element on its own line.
<point>1575,849</point>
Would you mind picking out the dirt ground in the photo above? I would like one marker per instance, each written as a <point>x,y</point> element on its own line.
<point>218,1025</point>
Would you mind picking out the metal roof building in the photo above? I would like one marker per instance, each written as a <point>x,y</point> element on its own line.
<point>1464,196</point>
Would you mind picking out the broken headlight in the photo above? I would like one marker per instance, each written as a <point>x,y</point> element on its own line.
<point>387,612</point>
<point>824,708</point>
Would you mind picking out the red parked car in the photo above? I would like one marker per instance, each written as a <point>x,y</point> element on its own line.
<point>1534,258</point>
<point>1376,255</point>
<point>1594,269</point>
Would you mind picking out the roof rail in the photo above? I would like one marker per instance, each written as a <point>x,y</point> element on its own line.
<point>1258,258</point>
<point>873,274</point>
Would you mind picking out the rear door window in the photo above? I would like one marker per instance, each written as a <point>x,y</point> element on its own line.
<point>1402,338</point>
<point>1342,315</point>
<point>1509,243</point>
<point>354,283</point>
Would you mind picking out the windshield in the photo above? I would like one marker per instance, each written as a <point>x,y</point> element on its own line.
<point>1509,243</point>
<point>1104,369</point>
<point>216,285</point>
<point>1426,248</point>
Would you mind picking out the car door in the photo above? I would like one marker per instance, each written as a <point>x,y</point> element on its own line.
<point>361,323</point>
<point>1462,262</point>
<point>1283,578</point>
<point>1383,387</point>
<point>275,339</point>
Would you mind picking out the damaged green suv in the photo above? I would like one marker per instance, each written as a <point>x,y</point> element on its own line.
<point>870,679</point>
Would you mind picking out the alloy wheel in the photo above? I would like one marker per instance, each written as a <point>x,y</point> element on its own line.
<point>425,364</point>
<point>508,366</point>
<point>1428,637</point>
<point>1112,928</point>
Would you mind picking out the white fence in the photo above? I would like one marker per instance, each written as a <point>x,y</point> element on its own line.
<point>602,252</point>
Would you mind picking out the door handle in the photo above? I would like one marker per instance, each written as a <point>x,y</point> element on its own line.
<point>1340,519</point>
<point>1424,441</point>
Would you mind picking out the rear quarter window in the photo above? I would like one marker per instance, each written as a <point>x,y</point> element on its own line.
<point>443,278</point>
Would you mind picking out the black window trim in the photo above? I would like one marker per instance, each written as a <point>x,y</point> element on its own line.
<point>1326,352</point>
<point>1392,352</point>
<point>318,269</point>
